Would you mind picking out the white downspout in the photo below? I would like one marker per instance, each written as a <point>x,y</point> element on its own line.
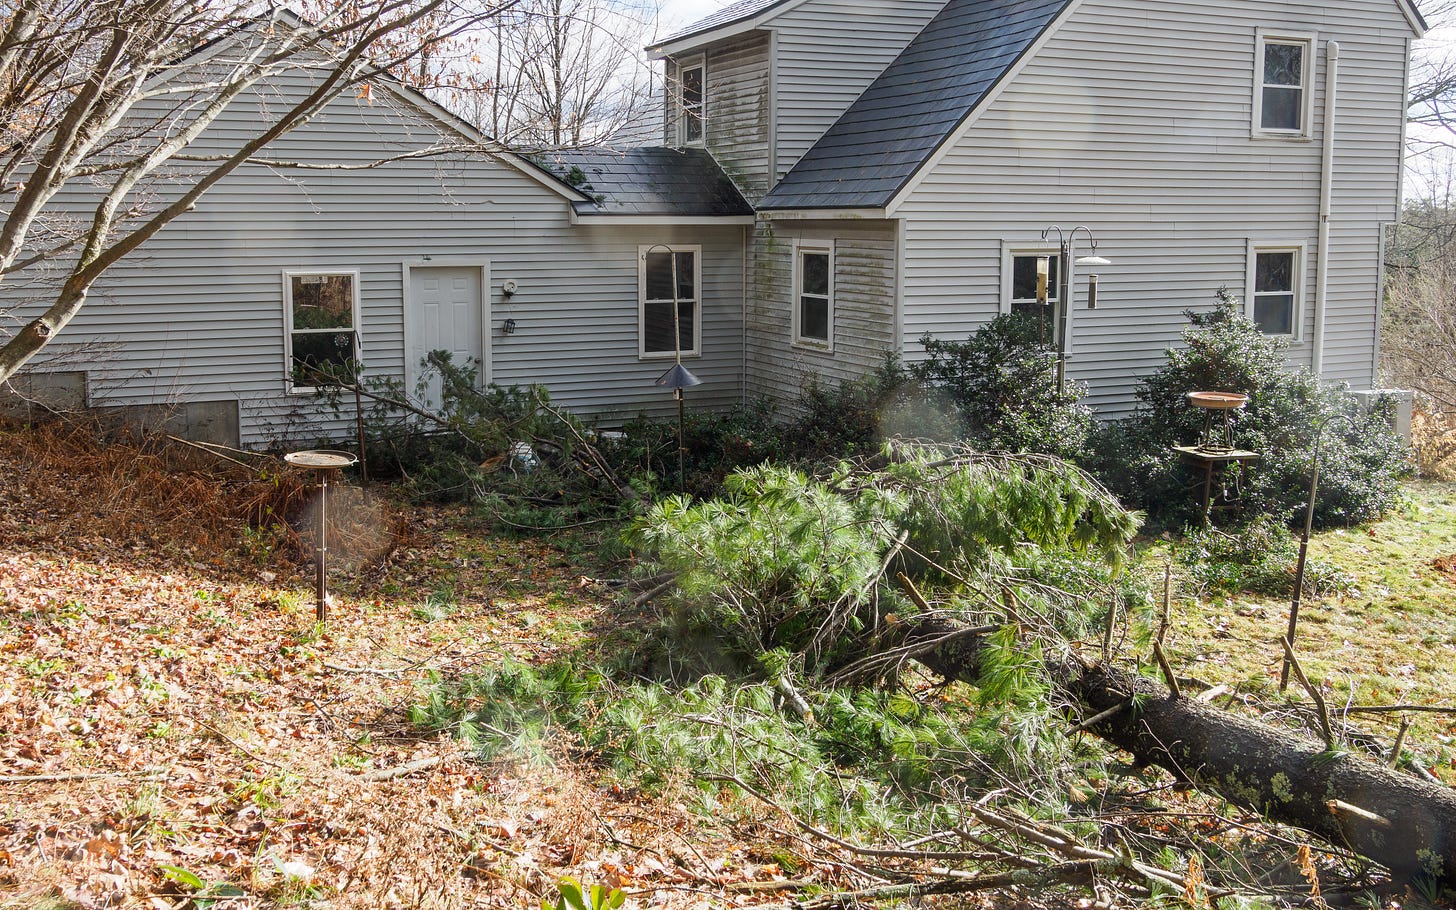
<point>1327,169</point>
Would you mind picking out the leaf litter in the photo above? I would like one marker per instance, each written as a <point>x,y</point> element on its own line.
<point>175,729</point>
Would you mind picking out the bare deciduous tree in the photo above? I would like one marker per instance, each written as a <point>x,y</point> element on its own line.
<point>558,74</point>
<point>106,100</point>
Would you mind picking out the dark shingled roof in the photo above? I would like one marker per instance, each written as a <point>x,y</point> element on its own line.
<point>916,104</point>
<point>733,12</point>
<point>650,181</point>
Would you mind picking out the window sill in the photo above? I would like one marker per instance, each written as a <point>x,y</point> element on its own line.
<point>817,347</point>
<point>670,355</point>
<point>1281,137</point>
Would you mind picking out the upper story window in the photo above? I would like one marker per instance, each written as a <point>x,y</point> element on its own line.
<point>690,103</point>
<point>1021,291</point>
<point>321,312</point>
<point>666,274</point>
<point>814,296</point>
<point>1274,289</point>
<point>1282,96</point>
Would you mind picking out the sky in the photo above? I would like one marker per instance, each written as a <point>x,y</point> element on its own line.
<point>678,13</point>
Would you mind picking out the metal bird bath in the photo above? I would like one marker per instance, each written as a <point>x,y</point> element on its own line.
<point>324,461</point>
<point>1218,435</point>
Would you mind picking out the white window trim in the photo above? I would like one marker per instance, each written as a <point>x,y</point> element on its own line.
<point>288,275</point>
<point>699,61</point>
<point>1009,253</point>
<point>1297,280</point>
<point>642,251</point>
<point>823,247</point>
<point>1310,41</point>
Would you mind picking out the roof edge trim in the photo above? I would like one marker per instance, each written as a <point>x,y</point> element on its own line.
<point>487,144</point>
<point>1413,16</point>
<point>695,37</point>
<point>824,214</point>
<point>580,217</point>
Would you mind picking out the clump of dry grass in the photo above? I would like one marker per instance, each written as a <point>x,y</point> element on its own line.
<point>156,489</point>
<point>1433,439</point>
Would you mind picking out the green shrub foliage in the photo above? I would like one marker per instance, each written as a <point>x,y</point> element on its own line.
<point>1361,460</point>
<point>1259,558</point>
<point>783,561</point>
<point>1001,384</point>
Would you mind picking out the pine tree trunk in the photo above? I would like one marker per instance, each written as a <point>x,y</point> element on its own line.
<point>1405,824</point>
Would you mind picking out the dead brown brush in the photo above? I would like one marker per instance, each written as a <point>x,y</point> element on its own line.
<point>1433,439</point>
<point>155,490</point>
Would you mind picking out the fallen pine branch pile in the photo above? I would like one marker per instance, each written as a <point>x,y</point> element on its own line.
<point>1022,556</point>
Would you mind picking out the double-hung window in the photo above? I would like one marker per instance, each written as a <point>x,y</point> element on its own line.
<point>321,338</point>
<point>667,275</point>
<point>1282,70</point>
<point>814,296</point>
<point>690,103</point>
<point>1020,289</point>
<point>1274,289</point>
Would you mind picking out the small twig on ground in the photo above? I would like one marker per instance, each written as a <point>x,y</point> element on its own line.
<point>1060,842</point>
<point>1165,618</point>
<point>78,775</point>
<point>239,746</point>
<point>1319,700</point>
<point>1099,717</point>
<point>1399,741</point>
<point>788,884</point>
<point>408,768</point>
<point>1397,709</point>
<point>647,596</point>
<point>1063,872</point>
<point>1168,674</point>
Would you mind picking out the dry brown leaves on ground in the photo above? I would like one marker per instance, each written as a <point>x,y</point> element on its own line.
<point>174,726</point>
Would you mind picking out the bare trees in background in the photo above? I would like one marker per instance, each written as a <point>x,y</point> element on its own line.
<point>558,74</point>
<point>1418,330</point>
<point>104,100</point>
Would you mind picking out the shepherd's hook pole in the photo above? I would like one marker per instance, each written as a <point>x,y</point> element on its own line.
<point>322,611</point>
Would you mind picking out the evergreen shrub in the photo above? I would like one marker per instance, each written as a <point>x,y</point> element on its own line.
<point>1362,461</point>
<point>1001,385</point>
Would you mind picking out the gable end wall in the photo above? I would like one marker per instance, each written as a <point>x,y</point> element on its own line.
<point>1135,121</point>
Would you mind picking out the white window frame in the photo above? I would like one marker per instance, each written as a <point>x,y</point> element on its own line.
<point>811,247</point>
<point>697,301</point>
<point>1009,254</point>
<point>699,62</point>
<point>292,387</point>
<point>1262,40</point>
<point>1296,279</point>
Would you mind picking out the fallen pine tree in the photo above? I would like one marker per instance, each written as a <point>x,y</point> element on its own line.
<point>1406,824</point>
<point>789,564</point>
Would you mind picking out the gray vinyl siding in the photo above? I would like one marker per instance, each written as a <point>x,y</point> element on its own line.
<point>826,53</point>
<point>197,313</point>
<point>738,111</point>
<point>864,305</point>
<point>1135,121</point>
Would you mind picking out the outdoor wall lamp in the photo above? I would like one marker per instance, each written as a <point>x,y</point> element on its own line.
<point>1062,320</point>
<point>508,290</point>
<point>509,327</point>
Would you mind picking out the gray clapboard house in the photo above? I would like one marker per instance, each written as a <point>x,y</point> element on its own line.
<point>905,159</point>
<point>837,178</point>
<point>367,250</point>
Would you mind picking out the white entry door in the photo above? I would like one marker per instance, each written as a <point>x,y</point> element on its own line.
<point>446,312</point>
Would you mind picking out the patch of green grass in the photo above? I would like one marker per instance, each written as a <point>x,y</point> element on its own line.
<point>1385,641</point>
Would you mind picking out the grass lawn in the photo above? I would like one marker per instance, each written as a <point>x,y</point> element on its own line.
<point>1389,639</point>
<point>175,727</point>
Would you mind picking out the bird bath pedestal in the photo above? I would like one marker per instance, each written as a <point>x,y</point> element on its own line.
<point>1214,456</point>
<point>324,461</point>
